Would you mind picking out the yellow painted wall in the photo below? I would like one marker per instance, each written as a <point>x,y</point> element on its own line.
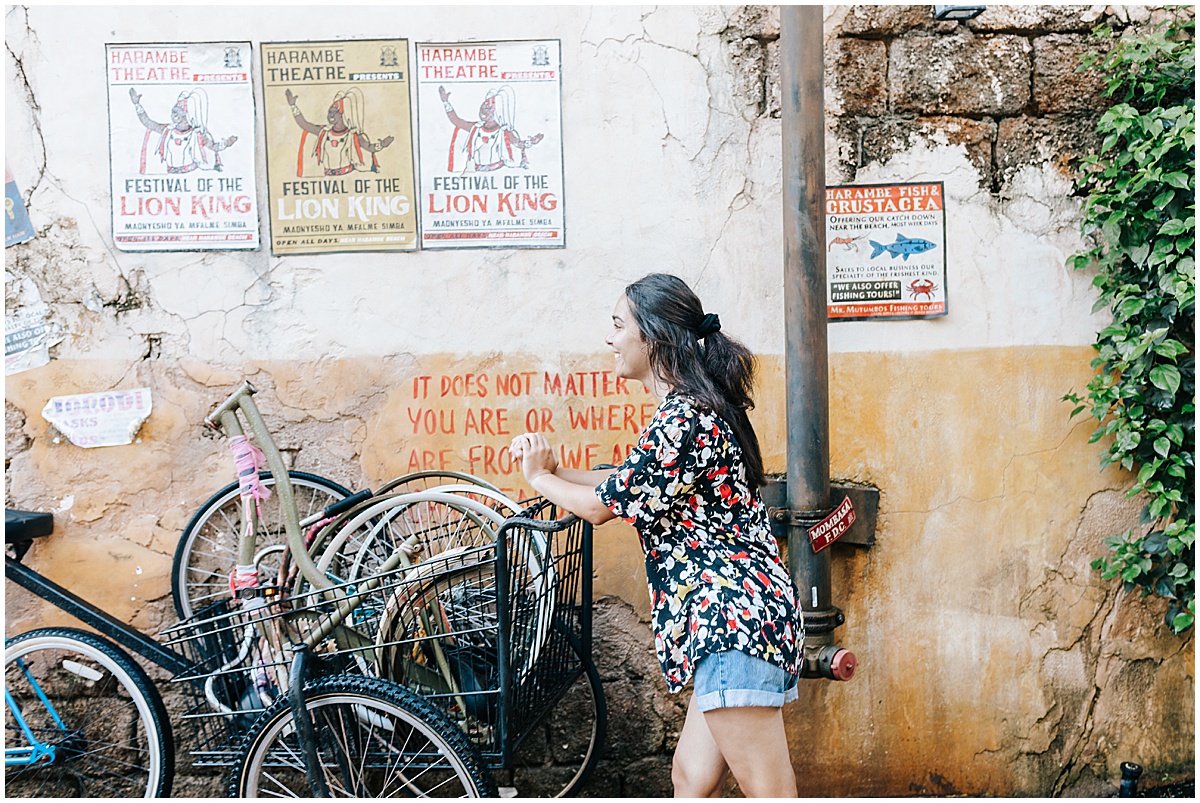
<point>988,647</point>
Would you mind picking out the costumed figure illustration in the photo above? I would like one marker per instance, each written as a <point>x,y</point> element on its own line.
<point>493,141</point>
<point>342,145</point>
<point>185,144</point>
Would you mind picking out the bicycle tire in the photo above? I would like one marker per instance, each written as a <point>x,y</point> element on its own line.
<point>425,480</point>
<point>111,715</point>
<point>349,712</point>
<point>361,544</point>
<point>207,550</point>
<point>464,600</point>
<point>361,538</point>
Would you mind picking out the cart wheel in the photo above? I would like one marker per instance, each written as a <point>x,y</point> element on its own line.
<point>575,730</point>
<point>207,550</point>
<point>373,739</point>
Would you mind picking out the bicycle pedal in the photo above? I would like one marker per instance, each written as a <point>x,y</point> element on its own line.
<point>256,592</point>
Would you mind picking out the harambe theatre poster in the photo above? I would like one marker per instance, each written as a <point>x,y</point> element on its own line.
<point>490,117</point>
<point>339,146</point>
<point>181,141</point>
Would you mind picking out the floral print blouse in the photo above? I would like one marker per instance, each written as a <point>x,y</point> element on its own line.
<point>712,565</point>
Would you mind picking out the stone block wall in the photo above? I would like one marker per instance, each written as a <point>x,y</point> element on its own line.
<point>1004,85</point>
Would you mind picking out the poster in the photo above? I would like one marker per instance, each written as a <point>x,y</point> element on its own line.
<point>339,146</point>
<point>28,335</point>
<point>886,251</point>
<point>490,116</point>
<point>107,418</point>
<point>181,140</point>
<point>17,228</point>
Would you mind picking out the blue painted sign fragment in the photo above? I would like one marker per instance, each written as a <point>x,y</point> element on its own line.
<point>17,228</point>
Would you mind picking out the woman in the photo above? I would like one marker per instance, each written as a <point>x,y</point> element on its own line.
<point>724,609</point>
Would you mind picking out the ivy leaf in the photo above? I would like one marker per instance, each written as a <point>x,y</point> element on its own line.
<point>1162,446</point>
<point>1172,228</point>
<point>1179,180</point>
<point>1155,542</point>
<point>1139,253</point>
<point>1165,377</point>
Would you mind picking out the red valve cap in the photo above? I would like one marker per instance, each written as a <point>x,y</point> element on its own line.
<point>843,665</point>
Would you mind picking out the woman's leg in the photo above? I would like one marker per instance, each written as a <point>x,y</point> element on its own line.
<point>751,740</point>
<point>698,768</point>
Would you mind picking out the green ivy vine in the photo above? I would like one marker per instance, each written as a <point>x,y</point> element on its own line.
<point>1140,212</point>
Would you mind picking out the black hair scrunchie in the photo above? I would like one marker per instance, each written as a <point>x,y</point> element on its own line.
<point>709,324</point>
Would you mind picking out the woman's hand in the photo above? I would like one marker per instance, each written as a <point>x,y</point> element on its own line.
<point>536,455</point>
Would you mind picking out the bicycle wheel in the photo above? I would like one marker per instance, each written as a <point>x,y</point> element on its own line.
<point>431,523</point>
<point>373,739</point>
<point>558,760</point>
<point>207,550</point>
<point>426,480</point>
<point>98,710</point>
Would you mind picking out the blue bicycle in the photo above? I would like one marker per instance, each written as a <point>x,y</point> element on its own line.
<point>81,718</point>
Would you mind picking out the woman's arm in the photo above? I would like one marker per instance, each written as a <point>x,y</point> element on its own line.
<point>571,489</point>
<point>583,476</point>
<point>579,499</point>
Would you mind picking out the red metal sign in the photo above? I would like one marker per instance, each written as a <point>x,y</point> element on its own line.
<point>833,526</point>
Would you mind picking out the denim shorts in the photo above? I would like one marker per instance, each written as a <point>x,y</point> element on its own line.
<point>731,679</point>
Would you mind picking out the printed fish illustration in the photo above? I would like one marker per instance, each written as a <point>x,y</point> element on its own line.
<point>904,246</point>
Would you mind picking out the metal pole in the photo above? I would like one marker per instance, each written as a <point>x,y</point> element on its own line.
<point>807,365</point>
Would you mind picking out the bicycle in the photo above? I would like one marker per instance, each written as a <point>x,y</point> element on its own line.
<point>429,737</point>
<point>460,628</point>
<point>82,719</point>
<point>208,547</point>
<point>327,544</point>
<point>458,760</point>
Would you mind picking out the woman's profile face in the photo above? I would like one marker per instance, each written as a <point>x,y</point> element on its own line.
<point>629,348</point>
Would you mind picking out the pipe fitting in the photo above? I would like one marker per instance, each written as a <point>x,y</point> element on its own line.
<point>1130,773</point>
<point>829,662</point>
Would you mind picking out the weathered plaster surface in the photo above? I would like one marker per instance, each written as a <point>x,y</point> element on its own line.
<point>994,660</point>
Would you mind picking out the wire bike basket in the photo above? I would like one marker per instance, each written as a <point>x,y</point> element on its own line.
<point>495,663</point>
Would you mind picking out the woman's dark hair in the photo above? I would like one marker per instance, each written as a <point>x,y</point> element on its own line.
<point>688,351</point>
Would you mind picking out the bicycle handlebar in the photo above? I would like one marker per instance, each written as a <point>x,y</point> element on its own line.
<point>213,419</point>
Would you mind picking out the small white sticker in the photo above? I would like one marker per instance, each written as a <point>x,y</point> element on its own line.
<point>814,596</point>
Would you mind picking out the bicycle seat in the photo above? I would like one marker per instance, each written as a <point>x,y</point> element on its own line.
<point>21,526</point>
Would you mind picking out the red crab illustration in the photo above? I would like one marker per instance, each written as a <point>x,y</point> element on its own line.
<point>922,287</point>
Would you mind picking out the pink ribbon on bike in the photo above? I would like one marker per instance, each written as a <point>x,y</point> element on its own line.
<point>248,459</point>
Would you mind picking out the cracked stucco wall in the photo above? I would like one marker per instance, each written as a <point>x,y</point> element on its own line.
<point>994,660</point>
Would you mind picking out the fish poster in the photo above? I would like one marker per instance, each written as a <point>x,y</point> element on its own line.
<point>886,251</point>
<point>491,161</point>
<point>181,142</point>
<point>339,146</point>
